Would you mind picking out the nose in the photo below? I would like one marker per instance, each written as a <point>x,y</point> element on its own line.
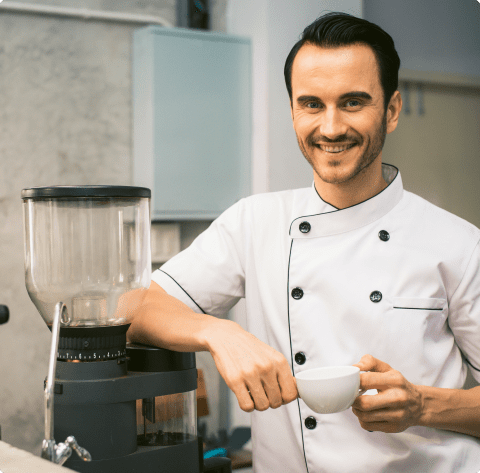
<point>332,126</point>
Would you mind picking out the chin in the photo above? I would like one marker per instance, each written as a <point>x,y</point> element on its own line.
<point>337,174</point>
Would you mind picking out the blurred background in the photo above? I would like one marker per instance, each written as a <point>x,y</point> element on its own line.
<point>78,105</point>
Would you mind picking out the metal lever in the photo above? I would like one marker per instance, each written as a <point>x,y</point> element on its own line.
<point>50,450</point>
<point>60,453</point>
<point>81,452</point>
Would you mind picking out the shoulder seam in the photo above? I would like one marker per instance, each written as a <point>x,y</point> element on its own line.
<point>192,299</point>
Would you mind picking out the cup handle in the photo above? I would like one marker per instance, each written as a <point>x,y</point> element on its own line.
<point>361,391</point>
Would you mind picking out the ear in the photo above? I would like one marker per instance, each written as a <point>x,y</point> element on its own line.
<point>393,111</point>
<point>291,110</point>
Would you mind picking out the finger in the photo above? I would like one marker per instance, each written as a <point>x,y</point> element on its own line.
<point>259,396</point>
<point>381,381</point>
<point>274,395</point>
<point>379,415</point>
<point>389,426</point>
<point>369,363</point>
<point>377,420</point>
<point>244,398</point>
<point>387,399</point>
<point>288,385</point>
<point>386,427</point>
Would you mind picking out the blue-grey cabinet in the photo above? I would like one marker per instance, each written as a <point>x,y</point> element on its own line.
<point>192,120</point>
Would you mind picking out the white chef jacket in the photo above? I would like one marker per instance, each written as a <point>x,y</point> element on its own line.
<point>394,276</point>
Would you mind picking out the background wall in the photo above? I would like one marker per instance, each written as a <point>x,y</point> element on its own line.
<point>65,118</point>
<point>275,26</point>
<point>431,36</point>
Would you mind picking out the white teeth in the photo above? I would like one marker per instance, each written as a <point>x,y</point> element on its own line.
<point>335,149</point>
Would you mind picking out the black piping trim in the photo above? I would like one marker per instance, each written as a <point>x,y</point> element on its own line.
<point>354,205</point>
<point>476,369</point>
<point>323,200</point>
<point>183,290</point>
<point>415,308</point>
<point>467,361</point>
<point>291,350</point>
<point>306,216</point>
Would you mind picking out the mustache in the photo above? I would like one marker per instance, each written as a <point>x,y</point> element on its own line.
<point>315,139</point>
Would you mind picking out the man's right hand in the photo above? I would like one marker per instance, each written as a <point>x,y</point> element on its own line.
<point>259,375</point>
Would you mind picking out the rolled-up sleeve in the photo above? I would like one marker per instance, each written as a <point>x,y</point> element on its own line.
<point>209,275</point>
<point>464,314</point>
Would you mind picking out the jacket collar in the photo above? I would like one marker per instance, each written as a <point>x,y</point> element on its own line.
<point>332,221</point>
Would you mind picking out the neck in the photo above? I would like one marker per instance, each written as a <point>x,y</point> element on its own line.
<point>366,184</point>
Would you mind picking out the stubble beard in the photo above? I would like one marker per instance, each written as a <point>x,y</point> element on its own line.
<point>373,149</point>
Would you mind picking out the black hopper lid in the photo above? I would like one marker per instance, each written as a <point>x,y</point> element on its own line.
<point>56,192</point>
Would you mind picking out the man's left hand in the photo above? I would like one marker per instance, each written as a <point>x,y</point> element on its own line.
<point>398,404</point>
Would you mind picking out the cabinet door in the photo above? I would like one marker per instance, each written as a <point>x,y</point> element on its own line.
<point>192,120</point>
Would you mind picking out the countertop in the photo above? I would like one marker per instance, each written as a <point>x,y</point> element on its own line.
<point>14,460</point>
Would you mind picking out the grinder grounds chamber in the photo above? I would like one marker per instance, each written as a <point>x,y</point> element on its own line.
<point>131,415</point>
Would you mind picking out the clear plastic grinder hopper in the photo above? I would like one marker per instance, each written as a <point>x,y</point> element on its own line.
<point>88,247</point>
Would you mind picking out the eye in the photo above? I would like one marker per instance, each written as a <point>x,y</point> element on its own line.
<point>312,105</point>
<point>353,103</point>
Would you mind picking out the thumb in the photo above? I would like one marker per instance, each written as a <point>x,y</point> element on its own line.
<point>369,363</point>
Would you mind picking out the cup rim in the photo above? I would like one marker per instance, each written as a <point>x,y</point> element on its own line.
<point>354,370</point>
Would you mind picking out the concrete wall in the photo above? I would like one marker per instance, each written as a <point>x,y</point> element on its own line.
<point>65,118</point>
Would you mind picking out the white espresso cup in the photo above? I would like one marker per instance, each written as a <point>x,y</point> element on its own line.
<point>329,389</point>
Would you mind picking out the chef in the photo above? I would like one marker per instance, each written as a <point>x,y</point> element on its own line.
<point>352,270</point>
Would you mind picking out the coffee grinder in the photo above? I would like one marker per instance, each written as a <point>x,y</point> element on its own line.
<point>121,408</point>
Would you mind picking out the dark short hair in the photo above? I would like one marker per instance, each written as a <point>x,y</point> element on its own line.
<point>341,29</point>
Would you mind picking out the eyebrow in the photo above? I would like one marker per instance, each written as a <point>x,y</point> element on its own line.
<point>358,94</point>
<point>348,95</point>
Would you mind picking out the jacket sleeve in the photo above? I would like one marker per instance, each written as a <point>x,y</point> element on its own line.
<point>464,310</point>
<point>209,275</point>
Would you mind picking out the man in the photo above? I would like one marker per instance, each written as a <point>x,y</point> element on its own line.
<point>354,268</point>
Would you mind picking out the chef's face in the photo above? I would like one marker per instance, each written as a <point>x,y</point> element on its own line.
<point>338,110</point>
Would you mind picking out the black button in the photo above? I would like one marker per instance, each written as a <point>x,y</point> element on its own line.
<point>300,358</point>
<point>297,293</point>
<point>376,296</point>
<point>310,423</point>
<point>305,227</point>
<point>384,235</point>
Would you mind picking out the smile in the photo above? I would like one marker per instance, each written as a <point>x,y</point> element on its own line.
<point>335,149</point>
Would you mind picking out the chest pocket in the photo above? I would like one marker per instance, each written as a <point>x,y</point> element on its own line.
<point>419,303</point>
<point>417,330</point>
